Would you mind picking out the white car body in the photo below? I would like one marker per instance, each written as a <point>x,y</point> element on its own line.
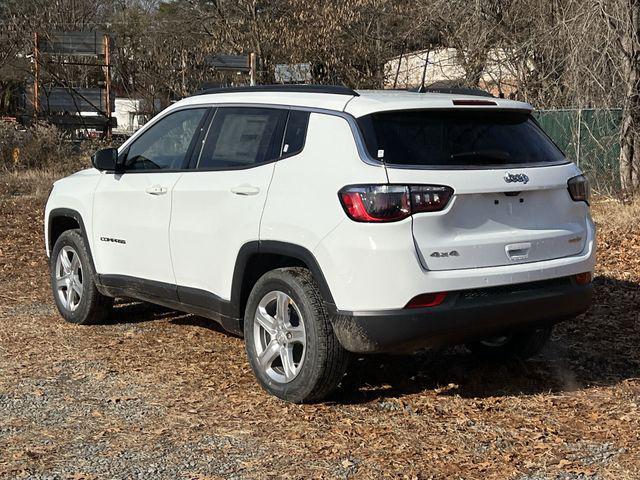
<point>184,236</point>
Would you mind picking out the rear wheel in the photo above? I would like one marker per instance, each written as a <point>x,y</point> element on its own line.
<point>289,338</point>
<point>73,282</point>
<point>521,345</point>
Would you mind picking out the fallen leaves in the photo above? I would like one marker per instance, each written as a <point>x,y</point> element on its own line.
<point>153,381</point>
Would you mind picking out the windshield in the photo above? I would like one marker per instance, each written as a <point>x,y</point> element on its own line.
<point>457,138</point>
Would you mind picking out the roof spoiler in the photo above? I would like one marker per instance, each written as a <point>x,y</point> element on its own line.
<point>456,91</point>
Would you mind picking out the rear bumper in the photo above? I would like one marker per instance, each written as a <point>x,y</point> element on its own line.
<point>464,316</point>
<point>370,266</point>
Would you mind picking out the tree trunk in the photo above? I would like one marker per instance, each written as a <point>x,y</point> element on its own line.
<point>630,150</point>
<point>630,132</point>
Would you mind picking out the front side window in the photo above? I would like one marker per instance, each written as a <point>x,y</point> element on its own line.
<point>457,138</point>
<point>241,137</point>
<point>164,145</point>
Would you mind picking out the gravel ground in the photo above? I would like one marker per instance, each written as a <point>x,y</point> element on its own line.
<point>160,394</point>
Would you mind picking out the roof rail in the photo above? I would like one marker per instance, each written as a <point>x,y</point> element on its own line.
<point>456,91</point>
<point>288,88</point>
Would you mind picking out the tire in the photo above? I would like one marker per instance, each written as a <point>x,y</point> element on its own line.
<point>314,368</point>
<point>86,306</point>
<point>520,345</point>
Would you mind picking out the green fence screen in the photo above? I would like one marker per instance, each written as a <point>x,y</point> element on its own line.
<point>590,138</point>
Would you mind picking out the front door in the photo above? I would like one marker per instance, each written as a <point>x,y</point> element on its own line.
<point>132,210</point>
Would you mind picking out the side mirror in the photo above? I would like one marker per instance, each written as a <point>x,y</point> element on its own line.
<point>105,159</point>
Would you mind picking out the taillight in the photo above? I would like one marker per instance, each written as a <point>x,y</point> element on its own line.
<point>429,198</point>
<point>376,203</point>
<point>390,203</point>
<point>579,189</point>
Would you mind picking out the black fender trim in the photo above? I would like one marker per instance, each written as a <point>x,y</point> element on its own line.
<point>244,254</point>
<point>69,213</point>
<point>278,248</point>
<point>301,253</point>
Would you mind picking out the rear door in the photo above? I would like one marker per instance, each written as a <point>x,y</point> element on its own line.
<point>217,205</point>
<point>510,203</point>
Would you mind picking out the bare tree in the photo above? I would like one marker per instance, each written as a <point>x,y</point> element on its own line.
<point>557,53</point>
<point>623,21</point>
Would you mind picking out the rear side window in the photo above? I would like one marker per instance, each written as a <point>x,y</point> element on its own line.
<point>243,137</point>
<point>296,133</point>
<point>457,138</point>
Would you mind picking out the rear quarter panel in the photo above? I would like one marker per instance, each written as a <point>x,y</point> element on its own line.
<point>302,206</point>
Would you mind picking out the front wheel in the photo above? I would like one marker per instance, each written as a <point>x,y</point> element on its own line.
<point>289,338</point>
<point>520,345</point>
<point>73,282</point>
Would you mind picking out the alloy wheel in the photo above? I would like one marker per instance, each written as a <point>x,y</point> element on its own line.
<point>69,278</point>
<point>279,337</point>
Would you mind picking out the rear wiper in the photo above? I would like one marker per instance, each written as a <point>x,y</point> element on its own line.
<point>487,154</point>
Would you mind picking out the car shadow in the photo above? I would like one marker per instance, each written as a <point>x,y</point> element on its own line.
<point>202,322</point>
<point>133,311</point>
<point>601,347</point>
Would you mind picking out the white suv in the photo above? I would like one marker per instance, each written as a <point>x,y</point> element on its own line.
<point>318,221</point>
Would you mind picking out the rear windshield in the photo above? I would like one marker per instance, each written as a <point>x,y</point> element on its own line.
<point>457,138</point>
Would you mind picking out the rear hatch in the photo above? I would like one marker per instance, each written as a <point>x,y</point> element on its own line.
<point>510,203</point>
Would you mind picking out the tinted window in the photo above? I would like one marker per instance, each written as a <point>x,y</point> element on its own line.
<point>296,132</point>
<point>242,137</point>
<point>458,138</point>
<point>165,144</point>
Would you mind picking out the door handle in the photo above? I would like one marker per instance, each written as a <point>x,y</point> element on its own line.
<point>245,190</point>
<point>156,190</point>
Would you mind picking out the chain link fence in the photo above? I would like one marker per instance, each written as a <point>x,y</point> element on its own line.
<point>591,138</point>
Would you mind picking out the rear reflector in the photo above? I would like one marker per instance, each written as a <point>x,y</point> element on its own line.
<point>427,300</point>
<point>583,278</point>
<point>473,103</point>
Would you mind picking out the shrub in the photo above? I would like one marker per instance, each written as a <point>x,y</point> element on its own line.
<point>40,146</point>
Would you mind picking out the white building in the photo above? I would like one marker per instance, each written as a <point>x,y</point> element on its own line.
<point>445,65</point>
<point>128,114</point>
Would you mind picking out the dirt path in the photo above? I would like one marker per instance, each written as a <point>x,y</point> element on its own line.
<point>158,394</point>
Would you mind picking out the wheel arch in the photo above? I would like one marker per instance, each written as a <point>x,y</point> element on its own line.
<point>258,257</point>
<point>62,219</point>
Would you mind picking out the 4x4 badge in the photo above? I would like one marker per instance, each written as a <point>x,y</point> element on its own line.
<point>516,178</point>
